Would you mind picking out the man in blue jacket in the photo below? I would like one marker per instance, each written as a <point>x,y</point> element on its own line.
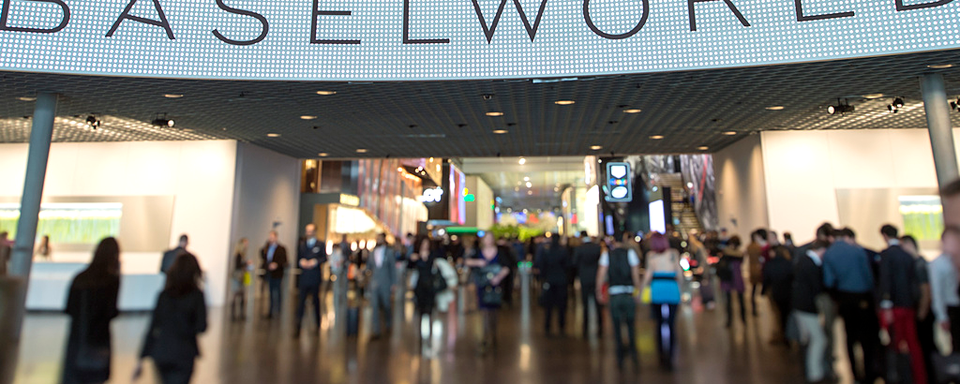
<point>310,258</point>
<point>848,274</point>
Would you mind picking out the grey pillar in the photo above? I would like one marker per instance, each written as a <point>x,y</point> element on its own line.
<point>13,289</point>
<point>941,131</point>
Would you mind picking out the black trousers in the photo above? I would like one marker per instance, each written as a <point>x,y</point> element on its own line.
<point>860,321</point>
<point>665,315</point>
<point>175,373</point>
<point>588,291</point>
<point>928,345</point>
<point>555,299</point>
<point>314,292</point>
<point>954,314</point>
<point>743,307</point>
<point>783,313</point>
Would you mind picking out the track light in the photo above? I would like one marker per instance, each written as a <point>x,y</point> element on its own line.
<point>93,122</point>
<point>841,108</point>
<point>955,105</point>
<point>162,121</point>
<point>898,103</point>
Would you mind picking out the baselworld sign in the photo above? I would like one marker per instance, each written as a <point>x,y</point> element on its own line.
<point>379,40</point>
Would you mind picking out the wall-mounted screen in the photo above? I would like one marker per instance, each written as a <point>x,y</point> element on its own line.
<point>658,218</point>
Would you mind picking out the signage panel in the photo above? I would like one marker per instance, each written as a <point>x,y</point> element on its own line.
<point>389,40</point>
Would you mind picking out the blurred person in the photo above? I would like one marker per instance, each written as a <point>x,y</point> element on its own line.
<point>847,273</point>
<point>700,254</point>
<point>663,275</point>
<point>91,305</point>
<point>180,315</point>
<point>898,302</point>
<point>171,255</point>
<point>554,265</point>
<point>434,281</point>
<point>620,267</point>
<point>824,233</point>
<point>944,285</point>
<point>310,258</point>
<point>383,279</point>
<point>510,261</point>
<point>586,258</point>
<point>43,249</point>
<point>273,258</point>
<point>489,273</point>
<point>730,272</point>
<point>950,198</point>
<point>925,319</point>
<point>674,238</point>
<point>5,251</point>
<point>338,275</point>
<point>778,286</point>
<point>238,276</point>
<point>788,240</point>
<point>807,287</point>
<point>756,253</point>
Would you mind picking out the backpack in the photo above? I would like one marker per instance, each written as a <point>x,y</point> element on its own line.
<point>724,271</point>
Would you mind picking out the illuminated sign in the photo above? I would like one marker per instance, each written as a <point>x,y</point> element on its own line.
<point>431,195</point>
<point>619,182</point>
<point>364,40</point>
<point>349,200</point>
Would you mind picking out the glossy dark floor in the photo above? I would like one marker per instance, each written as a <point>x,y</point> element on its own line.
<point>262,351</point>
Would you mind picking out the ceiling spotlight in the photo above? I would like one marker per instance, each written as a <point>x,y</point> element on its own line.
<point>631,110</point>
<point>955,105</point>
<point>656,137</point>
<point>564,102</point>
<point>500,131</point>
<point>93,122</point>
<point>841,108</point>
<point>730,133</point>
<point>703,148</point>
<point>326,93</point>
<point>776,108</point>
<point>522,161</point>
<point>494,114</point>
<point>308,117</point>
<point>362,150</point>
<point>173,95</point>
<point>595,147</point>
<point>27,98</point>
<point>163,122</point>
<point>273,135</point>
<point>898,102</point>
<point>323,154</point>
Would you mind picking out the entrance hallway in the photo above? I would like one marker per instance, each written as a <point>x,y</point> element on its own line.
<point>260,351</point>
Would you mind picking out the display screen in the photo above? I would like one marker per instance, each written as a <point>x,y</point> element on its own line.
<point>68,223</point>
<point>658,218</point>
<point>363,40</point>
<point>922,217</point>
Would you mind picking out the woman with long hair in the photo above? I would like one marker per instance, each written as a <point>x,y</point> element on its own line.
<point>238,286</point>
<point>663,275</point>
<point>730,271</point>
<point>490,272</point>
<point>431,281</point>
<point>180,315</point>
<point>91,304</point>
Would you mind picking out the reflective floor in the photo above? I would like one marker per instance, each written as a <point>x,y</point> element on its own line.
<point>263,351</point>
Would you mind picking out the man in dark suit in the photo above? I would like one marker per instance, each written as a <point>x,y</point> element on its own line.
<point>899,291</point>
<point>586,258</point>
<point>273,259</point>
<point>171,255</point>
<point>310,257</point>
<point>382,272</point>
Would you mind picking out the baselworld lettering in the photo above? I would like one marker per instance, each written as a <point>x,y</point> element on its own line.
<point>488,29</point>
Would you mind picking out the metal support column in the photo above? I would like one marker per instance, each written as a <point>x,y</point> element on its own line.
<point>941,131</point>
<point>13,289</point>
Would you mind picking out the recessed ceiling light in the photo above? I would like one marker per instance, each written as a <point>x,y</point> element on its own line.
<point>522,161</point>
<point>730,133</point>
<point>656,137</point>
<point>703,148</point>
<point>526,178</point>
<point>273,135</point>
<point>362,150</point>
<point>596,147</point>
<point>940,66</point>
<point>500,131</point>
<point>775,108</point>
<point>323,154</point>
<point>631,110</point>
<point>529,193</point>
<point>494,114</point>
<point>564,102</point>
<point>326,93</point>
<point>27,98</point>
<point>873,96</point>
<point>173,95</point>
<point>529,185</point>
<point>308,117</point>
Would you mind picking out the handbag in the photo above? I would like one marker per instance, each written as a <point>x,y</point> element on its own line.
<point>646,297</point>
<point>946,369</point>
<point>438,283</point>
<point>724,272</point>
<point>89,358</point>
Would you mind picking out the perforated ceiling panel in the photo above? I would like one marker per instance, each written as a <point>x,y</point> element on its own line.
<point>449,119</point>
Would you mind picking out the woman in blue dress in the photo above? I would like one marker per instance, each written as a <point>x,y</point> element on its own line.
<point>489,273</point>
<point>663,276</point>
